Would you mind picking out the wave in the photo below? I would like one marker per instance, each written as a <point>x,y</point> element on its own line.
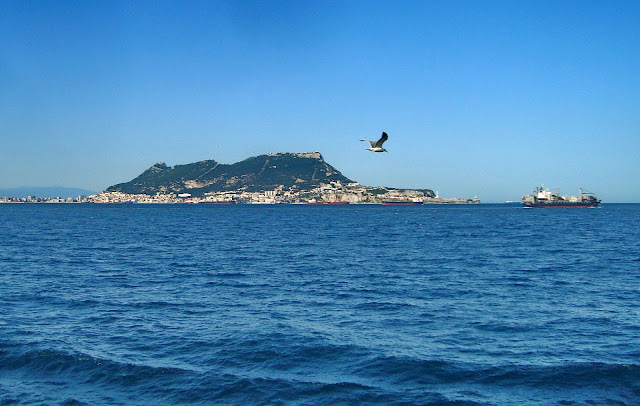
<point>73,378</point>
<point>233,389</point>
<point>93,369</point>
<point>575,375</point>
<point>383,305</point>
<point>330,374</point>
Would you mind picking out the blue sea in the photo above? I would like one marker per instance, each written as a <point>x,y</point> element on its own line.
<point>319,305</point>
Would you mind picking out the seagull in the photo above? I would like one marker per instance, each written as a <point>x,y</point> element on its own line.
<point>376,146</point>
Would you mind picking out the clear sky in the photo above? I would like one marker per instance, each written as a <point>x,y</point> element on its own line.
<point>479,98</point>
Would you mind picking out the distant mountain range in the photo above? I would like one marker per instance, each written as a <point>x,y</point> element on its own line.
<point>264,172</point>
<point>52,191</point>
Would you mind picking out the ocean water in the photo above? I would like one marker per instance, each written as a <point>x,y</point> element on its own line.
<point>317,305</point>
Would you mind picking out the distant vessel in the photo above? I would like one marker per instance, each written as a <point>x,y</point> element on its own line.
<point>400,203</point>
<point>542,197</point>
<point>123,202</point>
<point>325,202</point>
<point>219,202</point>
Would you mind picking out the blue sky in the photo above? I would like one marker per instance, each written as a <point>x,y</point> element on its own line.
<point>486,99</point>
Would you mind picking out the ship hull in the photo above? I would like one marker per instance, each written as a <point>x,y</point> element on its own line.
<point>401,203</point>
<point>561,205</point>
<point>328,203</point>
<point>219,203</point>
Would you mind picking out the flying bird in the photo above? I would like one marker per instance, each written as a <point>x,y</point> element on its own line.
<point>376,146</point>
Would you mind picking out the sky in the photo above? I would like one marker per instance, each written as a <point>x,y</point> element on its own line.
<point>479,98</point>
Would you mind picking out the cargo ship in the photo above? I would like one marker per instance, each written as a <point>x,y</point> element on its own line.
<point>122,202</point>
<point>400,203</point>
<point>312,201</point>
<point>223,202</point>
<point>544,198</point>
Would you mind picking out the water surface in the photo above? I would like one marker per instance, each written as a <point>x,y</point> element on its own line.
<point>288,304</point>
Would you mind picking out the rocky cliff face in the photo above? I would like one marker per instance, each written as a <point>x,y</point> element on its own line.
<point>264,172</point>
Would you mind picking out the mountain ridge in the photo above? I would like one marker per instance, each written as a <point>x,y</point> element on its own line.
<point>306,170</point>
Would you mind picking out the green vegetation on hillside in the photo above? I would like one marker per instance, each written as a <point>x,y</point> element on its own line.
<point>264,172</point>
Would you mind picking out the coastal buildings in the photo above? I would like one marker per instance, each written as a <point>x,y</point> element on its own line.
<point>35,199</point>
<point>352,193</point>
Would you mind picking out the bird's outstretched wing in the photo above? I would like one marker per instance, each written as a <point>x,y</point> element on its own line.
<point>381,140</point>
<point>372,143</point>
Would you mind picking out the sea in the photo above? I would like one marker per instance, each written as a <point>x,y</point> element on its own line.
<point>489,304</point>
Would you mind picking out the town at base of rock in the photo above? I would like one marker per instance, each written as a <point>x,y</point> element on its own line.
<point>335,192</point>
